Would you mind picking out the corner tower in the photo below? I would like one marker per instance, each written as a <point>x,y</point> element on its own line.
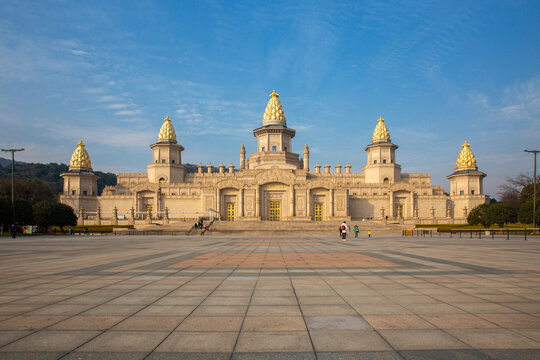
<point>80,183</point>
<point>166,164</point>
<point>466,179</point>
<point>274,146</point>
<point>381,164</point>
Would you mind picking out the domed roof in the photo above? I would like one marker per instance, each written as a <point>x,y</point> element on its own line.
<point>466,159</point>
<point>381,132</point>
<point>167,133</point>
<point>80,158</point>
<point>274,115</point>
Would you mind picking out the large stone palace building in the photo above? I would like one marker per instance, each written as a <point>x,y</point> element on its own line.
<point>273,183</point>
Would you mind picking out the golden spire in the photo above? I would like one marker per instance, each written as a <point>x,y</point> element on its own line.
<point>466,159</point>
<point>274,115</point>
<point>381,132</point>
<point>80,159</point>
<point>167,133</point>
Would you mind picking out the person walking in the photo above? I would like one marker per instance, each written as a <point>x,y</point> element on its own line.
<point>356,230</point>
<point>344,228</point>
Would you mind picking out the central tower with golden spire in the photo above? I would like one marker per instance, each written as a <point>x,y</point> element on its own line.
<point>274,146</point>
<point>166,166</point>
<point>381,164</point>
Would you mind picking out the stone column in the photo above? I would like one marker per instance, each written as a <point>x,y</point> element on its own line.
<point>331,202</point>
<point>115,216</point>
<point>81,216</point>
<point>200,168</point>
<point>317,168</point>
<point>241,202</point>
<point>465,212</point>
<point>209,170</point>
<point>132,216</point>
<point>416,212</point>
<point>98,216</point>
<point>338,168</point>
<point>242,157</point>
<point>221,168</point>
<point>432,212</point>
<point>306,158</point>
<point>218,203</point>
<point>231,168</point>
<point>348,168</point>
<point>449,212</point>
<point>308,203</point>
<point>391,205</point>
<point>327,169</point>
<point>291,201</point>
<point>257,201</point>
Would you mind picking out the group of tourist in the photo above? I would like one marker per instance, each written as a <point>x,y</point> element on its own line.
<point>344,231</point>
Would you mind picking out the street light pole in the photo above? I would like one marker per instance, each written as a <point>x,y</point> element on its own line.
<point>534,186</point>
<point>12,151</point>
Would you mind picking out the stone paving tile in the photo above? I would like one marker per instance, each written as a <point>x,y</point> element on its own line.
<point>347,322</point>
<point>421,340</point>
<point>222,342</point>
<point>348,340</point>
<point>61,309</point>
<point>297,341</point>
<point>359,355</point>
<point>459,321</point>
<point>484,307</point>
<point>28,322</point>
<point>271,310</point>
<point>9,336</point>
<point>105,355</point>
<point>149,323</point>
<point>274,300</point>
<point>216,310</point>
<point>32,355</point>
<point>516,321</point>
<point>380,309</point>
<point>211,323</point>
<point>124,341</point>
<point>113,310</point>
<point>458,354</point>
<point>50,341</point>
<point>167,310</point>
<point>397,322</point>
<point>87,322</point>
<point>180,300</point>
<point>494,339</point>
<point>272,323</point>
<point>224,300</point>
<point>337,309</point>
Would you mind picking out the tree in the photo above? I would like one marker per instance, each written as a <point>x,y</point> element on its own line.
<point>525,212</point>
<point>23,211</point>
<point>489,214</point>
<point>48,213</point>
<point>510,191</point>
<point>501,213</point>
<point>478,216</point>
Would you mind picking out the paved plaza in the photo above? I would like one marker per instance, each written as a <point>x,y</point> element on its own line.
<point>181,297</point>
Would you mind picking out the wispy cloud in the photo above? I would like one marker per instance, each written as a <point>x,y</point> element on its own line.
<point>109,98</point>
<point>128,112</point>
<point>117,106</point>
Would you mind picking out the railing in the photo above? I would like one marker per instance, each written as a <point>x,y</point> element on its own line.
<point>476,233</point>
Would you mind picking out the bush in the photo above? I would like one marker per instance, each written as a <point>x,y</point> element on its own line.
<point>48,213</point>
<point>526,211</point>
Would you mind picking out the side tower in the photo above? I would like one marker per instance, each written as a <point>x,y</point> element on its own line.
<point>274,146</point>
<point>166,164</point>
<point>381,164</point>
<point>80,183</point>
<point>466,184</point>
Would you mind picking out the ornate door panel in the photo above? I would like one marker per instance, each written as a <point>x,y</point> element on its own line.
<point>230,212</point>
<point>318,212</point>
<point>274,211</point>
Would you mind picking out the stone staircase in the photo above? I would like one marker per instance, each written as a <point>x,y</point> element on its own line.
<point>281,228</point>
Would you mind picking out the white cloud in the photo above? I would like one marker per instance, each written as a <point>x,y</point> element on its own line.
<point>109,98</point>
<point>117,106</point>
<point>78,52</point>
<point>95,90</point>
<point>128,112</point>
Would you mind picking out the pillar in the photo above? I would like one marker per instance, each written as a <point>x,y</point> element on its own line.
<point>221,168</point>
<point>166,216</point>
<point>218,202</point>
<point>200,168</point>
<point>98,216</point>
<point>291,201</point>
<point>348,168</point>
<point>231,168</point>
<point>331,202</point>
<point>257,201</point>
<point>241,202</point>
<point>306,158</point>
<point>242,157</point>
<point>338,168</point>
<point>209,170</point>
<point>149,216</point>
<point>327,169</point>
<point>317,168</point>
<point>308,203</point>
<point>115,216</point>
<point>132,216</point>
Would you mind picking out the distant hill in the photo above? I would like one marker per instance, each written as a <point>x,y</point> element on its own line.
<point>49,174</point>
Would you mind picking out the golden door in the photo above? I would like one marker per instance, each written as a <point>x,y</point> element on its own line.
<point>318,212</point>
<point>275,211</point>
<point>230,212</point>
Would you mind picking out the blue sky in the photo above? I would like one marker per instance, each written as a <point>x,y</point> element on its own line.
<point>108,72</point>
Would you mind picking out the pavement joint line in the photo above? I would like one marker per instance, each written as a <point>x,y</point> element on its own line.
<point>247,309</point>
<point>301,311</point>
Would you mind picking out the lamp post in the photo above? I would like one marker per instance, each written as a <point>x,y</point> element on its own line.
<point>12,151</point>
<point>534,186</point>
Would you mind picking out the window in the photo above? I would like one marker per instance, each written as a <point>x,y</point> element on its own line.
<point>384,161</point>
<point>472,192</point>
<point>161,180</point>
<point>284,148</point>
<point>163,161</point>
<point>274,148</point>
<point>172,161</point>
<point>72,192</point>
<point>461,192</point>
<point>374,161</point>
<point>385,180</point>
<point>84,192</point>
<point>156,161</point>
<point>263,148</point>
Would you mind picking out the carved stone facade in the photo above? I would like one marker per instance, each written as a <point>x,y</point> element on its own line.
<point>273,184</point>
